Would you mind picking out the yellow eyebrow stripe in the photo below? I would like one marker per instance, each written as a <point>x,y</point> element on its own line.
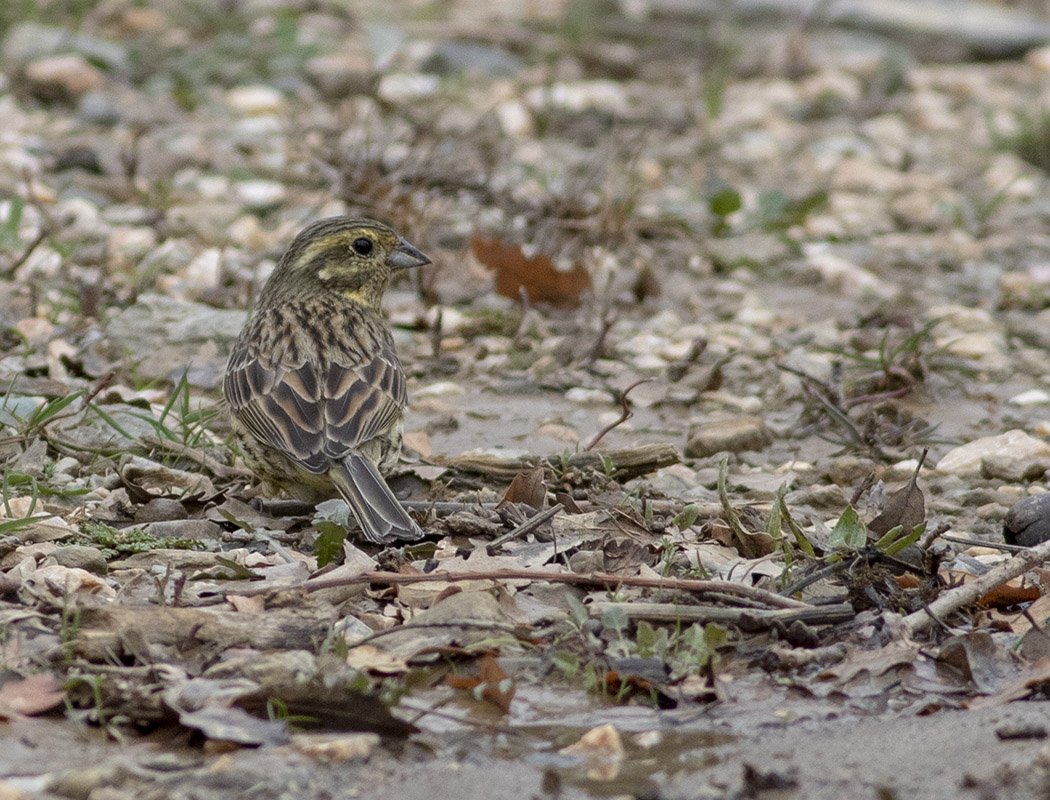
<point>341,239</point>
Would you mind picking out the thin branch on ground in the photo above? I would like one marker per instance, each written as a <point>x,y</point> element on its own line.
<point>746,617</point>
<point>214,466</point>
<point>1009,548</point>
<point>600,579</point>
<point>625,414</point>
<point>528,525</point>
<point>969,593</point>
<point>608,320</point>
<point>503,627</point>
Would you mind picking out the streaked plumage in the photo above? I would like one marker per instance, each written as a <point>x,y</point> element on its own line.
<point>314,384</point>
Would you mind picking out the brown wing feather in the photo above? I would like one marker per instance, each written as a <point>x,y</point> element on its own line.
<point>316,410</point>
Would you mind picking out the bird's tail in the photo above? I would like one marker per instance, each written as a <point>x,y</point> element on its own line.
<point>379,513</point>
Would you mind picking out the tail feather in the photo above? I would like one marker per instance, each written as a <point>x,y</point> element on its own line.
<point>379,513</point>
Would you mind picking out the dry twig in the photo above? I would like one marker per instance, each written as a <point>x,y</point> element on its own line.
<point>968,593</point>
<point>528,525</point>
<point>625,414</point>
<point>600,579</point>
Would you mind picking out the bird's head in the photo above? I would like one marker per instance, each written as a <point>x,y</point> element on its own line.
<point>353,257</point>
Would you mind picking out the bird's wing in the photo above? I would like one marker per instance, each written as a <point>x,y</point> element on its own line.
<point>363,400</point>
<point>316,410</point>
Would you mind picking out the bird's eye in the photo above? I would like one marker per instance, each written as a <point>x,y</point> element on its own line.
<point>362,246</point>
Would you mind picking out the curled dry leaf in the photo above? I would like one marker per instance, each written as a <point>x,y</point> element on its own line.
<point>905,507</point>
<point>602,752</point>
<point>537,276</point>
<point>247,605</point>
<point>376,661</point>
<point>55,584</point>
<point>29,696</point>
<point>527,487</point>
<point>336,748</point>
<point>492,681</point>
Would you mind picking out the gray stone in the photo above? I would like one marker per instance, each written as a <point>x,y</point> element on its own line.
<point>727,434</point>
<point>453,57</point>
<point>64,77</point>
<point>1014,446</point>
<point>77,556</point>
<point>29,41</point>
<point>1007,467</point>
<point>100,108</point>
<point>748,249</point>
<point>960,28</point>
<point>177,334</point>
<point>202,529</point>
<point>161,509</point>
<point>338,75</point>
<point>1027,522</point>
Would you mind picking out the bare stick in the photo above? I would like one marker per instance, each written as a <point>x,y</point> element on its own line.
<point>954,599</point>
<point>625,414</point>
<point>213,465</point>
<point>608,320</point>
<point>759,618</point>
<point>528,525</point>
<point>99,385</point>
<point>1009,548</point>
<point>600,579</point>
<point>792,658</point>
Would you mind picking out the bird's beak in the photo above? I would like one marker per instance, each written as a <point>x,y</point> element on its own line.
<point>405,256</point>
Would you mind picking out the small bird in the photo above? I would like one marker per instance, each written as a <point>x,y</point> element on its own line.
<point>314,384</point>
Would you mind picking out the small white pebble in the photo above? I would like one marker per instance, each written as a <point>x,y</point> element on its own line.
<point>1033,397</point>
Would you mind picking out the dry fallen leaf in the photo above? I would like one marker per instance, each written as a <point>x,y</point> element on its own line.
<point>905,507</point>
<point>419,441</point>
<point>33,695</point>
<point>495,686</point>
<point>380,662</point>
<point>602,751</point>
<point>528,488</point>
<point>255,604</point>
<point>536,275</point>
<point>331,748</point>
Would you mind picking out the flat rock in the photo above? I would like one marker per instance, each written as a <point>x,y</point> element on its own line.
<point>967,28</point>
<point>81,557</point>
<point>29,41</point>
<point>65,77</point>
<point>177,334</point>
<point>731,434</point>
<point>1017,446</point>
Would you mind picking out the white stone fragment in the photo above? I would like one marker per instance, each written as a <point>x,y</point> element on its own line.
<point>1016,444</point>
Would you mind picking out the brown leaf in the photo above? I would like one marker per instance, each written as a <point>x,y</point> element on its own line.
<point>376,661</point>
<point>977,656</point>
<point>419,441</point>
<point>624,555</point>
<point>602,752</point>
<point>536,275</point>
<point>495,687</point>
<point>751,545</point>
<point>906,507</point>
<point>1034,677</point>
<point>529,488</point>
<point>1009,594</point>
<point>33,695</point>
<point>247,605</point>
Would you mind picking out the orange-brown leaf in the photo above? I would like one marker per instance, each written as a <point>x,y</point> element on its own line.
<point>535,275</point>
<point>29,696</point>
<point>529,488</point>
<point>495,687</point>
